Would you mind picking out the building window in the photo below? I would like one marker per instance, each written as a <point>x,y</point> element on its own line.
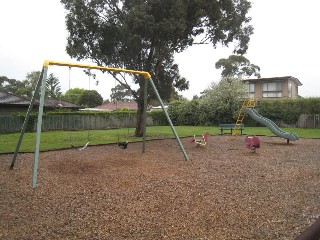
<point>251,87</point>
<point>272,90</point>
<point>272,94</point>
<point>250,90</point>
<point>289,89</point>
<point>272,86</point>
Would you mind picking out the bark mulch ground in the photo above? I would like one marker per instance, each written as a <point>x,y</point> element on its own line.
<point>226,191</point>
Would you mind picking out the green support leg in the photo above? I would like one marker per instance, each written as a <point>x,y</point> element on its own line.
<point>169,120</point>
<point>145,115</point>
<point>24,126</point>
<point>39,126</point>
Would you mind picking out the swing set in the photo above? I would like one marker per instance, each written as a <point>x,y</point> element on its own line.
<point>124,144</point>
<point>41,86</point>
<point>88,134</point>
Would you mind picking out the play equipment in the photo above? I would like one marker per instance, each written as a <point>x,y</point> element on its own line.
<point>252,142</point>
<point>88,135</point>
<point>41,86</point>
<point>247,107</point>
<point>84,147</point>
<point>247,103</point>
<point>123,145</point>
<point>202,141</point>
<point>270,125</point>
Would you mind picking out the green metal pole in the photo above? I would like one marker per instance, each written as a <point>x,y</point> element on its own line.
<point>169,120</point>
<point>145,101</point>
<point>39,126</point>
<point>24,126</point>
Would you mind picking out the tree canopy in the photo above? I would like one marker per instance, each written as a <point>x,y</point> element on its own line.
<point>53,88</point>
<point>236,66</point>
<point>11,85</point>
<point>30,83</point>
<point>120,93</point>
<point>26,87</point>
<point>144,35</point>
<point>90,99</point>
<point>73,95</point>
<point>223,99</point>
<point>83,97</point>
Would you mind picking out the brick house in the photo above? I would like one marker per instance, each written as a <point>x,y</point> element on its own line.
<point>273,88</point>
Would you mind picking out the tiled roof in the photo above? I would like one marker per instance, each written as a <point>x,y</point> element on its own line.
<point>118,105</point>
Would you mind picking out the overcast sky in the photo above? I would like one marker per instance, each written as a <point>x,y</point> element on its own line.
<point>285,43</point>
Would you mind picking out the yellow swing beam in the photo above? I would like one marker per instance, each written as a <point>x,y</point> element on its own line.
<point>47,63</point>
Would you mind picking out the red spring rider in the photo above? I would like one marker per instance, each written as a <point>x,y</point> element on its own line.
<point>200,141</point>
<point>252,142</point>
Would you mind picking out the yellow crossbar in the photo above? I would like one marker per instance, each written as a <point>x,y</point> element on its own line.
<point>47,63</point>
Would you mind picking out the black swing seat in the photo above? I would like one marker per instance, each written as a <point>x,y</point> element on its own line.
<point>123,145</point>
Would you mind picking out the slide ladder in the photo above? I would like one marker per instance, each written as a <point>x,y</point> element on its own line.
<point>247,103</point>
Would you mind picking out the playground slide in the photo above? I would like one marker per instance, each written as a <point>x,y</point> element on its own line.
<point>270,124</point>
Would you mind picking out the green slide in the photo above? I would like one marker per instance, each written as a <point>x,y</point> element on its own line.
<point>270,124</point>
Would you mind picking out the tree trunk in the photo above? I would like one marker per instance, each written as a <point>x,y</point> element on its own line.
<point>139,126</point>
<point>140,99</point>
<point>140,112</point>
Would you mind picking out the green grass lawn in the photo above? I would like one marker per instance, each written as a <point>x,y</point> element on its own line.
<point>63,139</point>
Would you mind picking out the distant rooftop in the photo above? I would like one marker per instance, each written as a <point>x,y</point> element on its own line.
<point>110,106</point>
<point>296,80</point>
<point>11,99</point>
<point>8,98</point>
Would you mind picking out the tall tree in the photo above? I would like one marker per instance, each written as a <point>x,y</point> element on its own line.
<point>144,35</point>
<point>30,84</point>
<point>237,66</point>
<point>73,95</point>
<point>22,88</point>
<point>26,87</point>
<point>53,88</point>
<point>90,98</point>
<point>11,85</point>
<point>120,93</point>
<point>80,96</point>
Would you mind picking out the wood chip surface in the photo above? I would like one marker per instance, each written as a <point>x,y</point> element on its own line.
<point>226,191</point>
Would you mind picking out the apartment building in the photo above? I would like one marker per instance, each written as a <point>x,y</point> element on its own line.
<point>273,88</point>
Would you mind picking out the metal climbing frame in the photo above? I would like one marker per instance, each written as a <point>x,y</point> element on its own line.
<point>41,84</point>
<point>247,103</point>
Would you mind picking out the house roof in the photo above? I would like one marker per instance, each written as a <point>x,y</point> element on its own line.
<point>11,99</point>
<point>110,106</point>
<point>296,80</point>
<point>59,103</point>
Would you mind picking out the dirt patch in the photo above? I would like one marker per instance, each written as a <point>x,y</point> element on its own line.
<point>226,191</point>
